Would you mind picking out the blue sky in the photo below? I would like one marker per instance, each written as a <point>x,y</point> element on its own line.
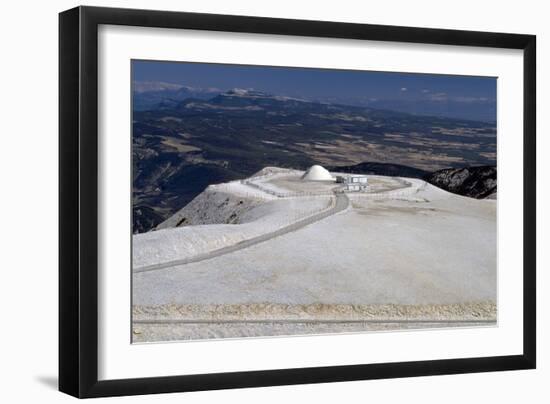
<point>344,86</point>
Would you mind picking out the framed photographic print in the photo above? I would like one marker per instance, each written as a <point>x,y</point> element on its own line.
<point>250,201</point>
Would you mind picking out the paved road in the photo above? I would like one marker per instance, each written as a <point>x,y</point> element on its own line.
<point>342,202</point>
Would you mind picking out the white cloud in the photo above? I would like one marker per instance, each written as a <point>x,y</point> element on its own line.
<point>470,99</point>
<point>442,97</point>
<point>143,86</point>
<point>425,91</point>
<point>403,88</point>
<point>465,99</point>
<point>438,97</point>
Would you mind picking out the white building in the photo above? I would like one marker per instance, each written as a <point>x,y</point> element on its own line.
<point>353,182</point>
<point>357,179</point>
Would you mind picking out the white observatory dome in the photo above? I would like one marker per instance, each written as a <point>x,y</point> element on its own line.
<point>317,173</point>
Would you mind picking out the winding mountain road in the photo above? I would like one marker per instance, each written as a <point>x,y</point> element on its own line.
<point>342,203</point>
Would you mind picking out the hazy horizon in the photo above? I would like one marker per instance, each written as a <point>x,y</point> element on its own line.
<point>465,97</point>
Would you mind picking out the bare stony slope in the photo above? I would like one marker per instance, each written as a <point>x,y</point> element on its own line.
<point>218,204</point>
<point>211,207</point>
<point>475,182</point>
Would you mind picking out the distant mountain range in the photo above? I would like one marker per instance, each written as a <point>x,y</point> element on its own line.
<point>461,108</point>
<point>150,95</point>
<point>208,137</point>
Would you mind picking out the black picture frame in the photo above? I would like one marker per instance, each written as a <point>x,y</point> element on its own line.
<point>78,201</point>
